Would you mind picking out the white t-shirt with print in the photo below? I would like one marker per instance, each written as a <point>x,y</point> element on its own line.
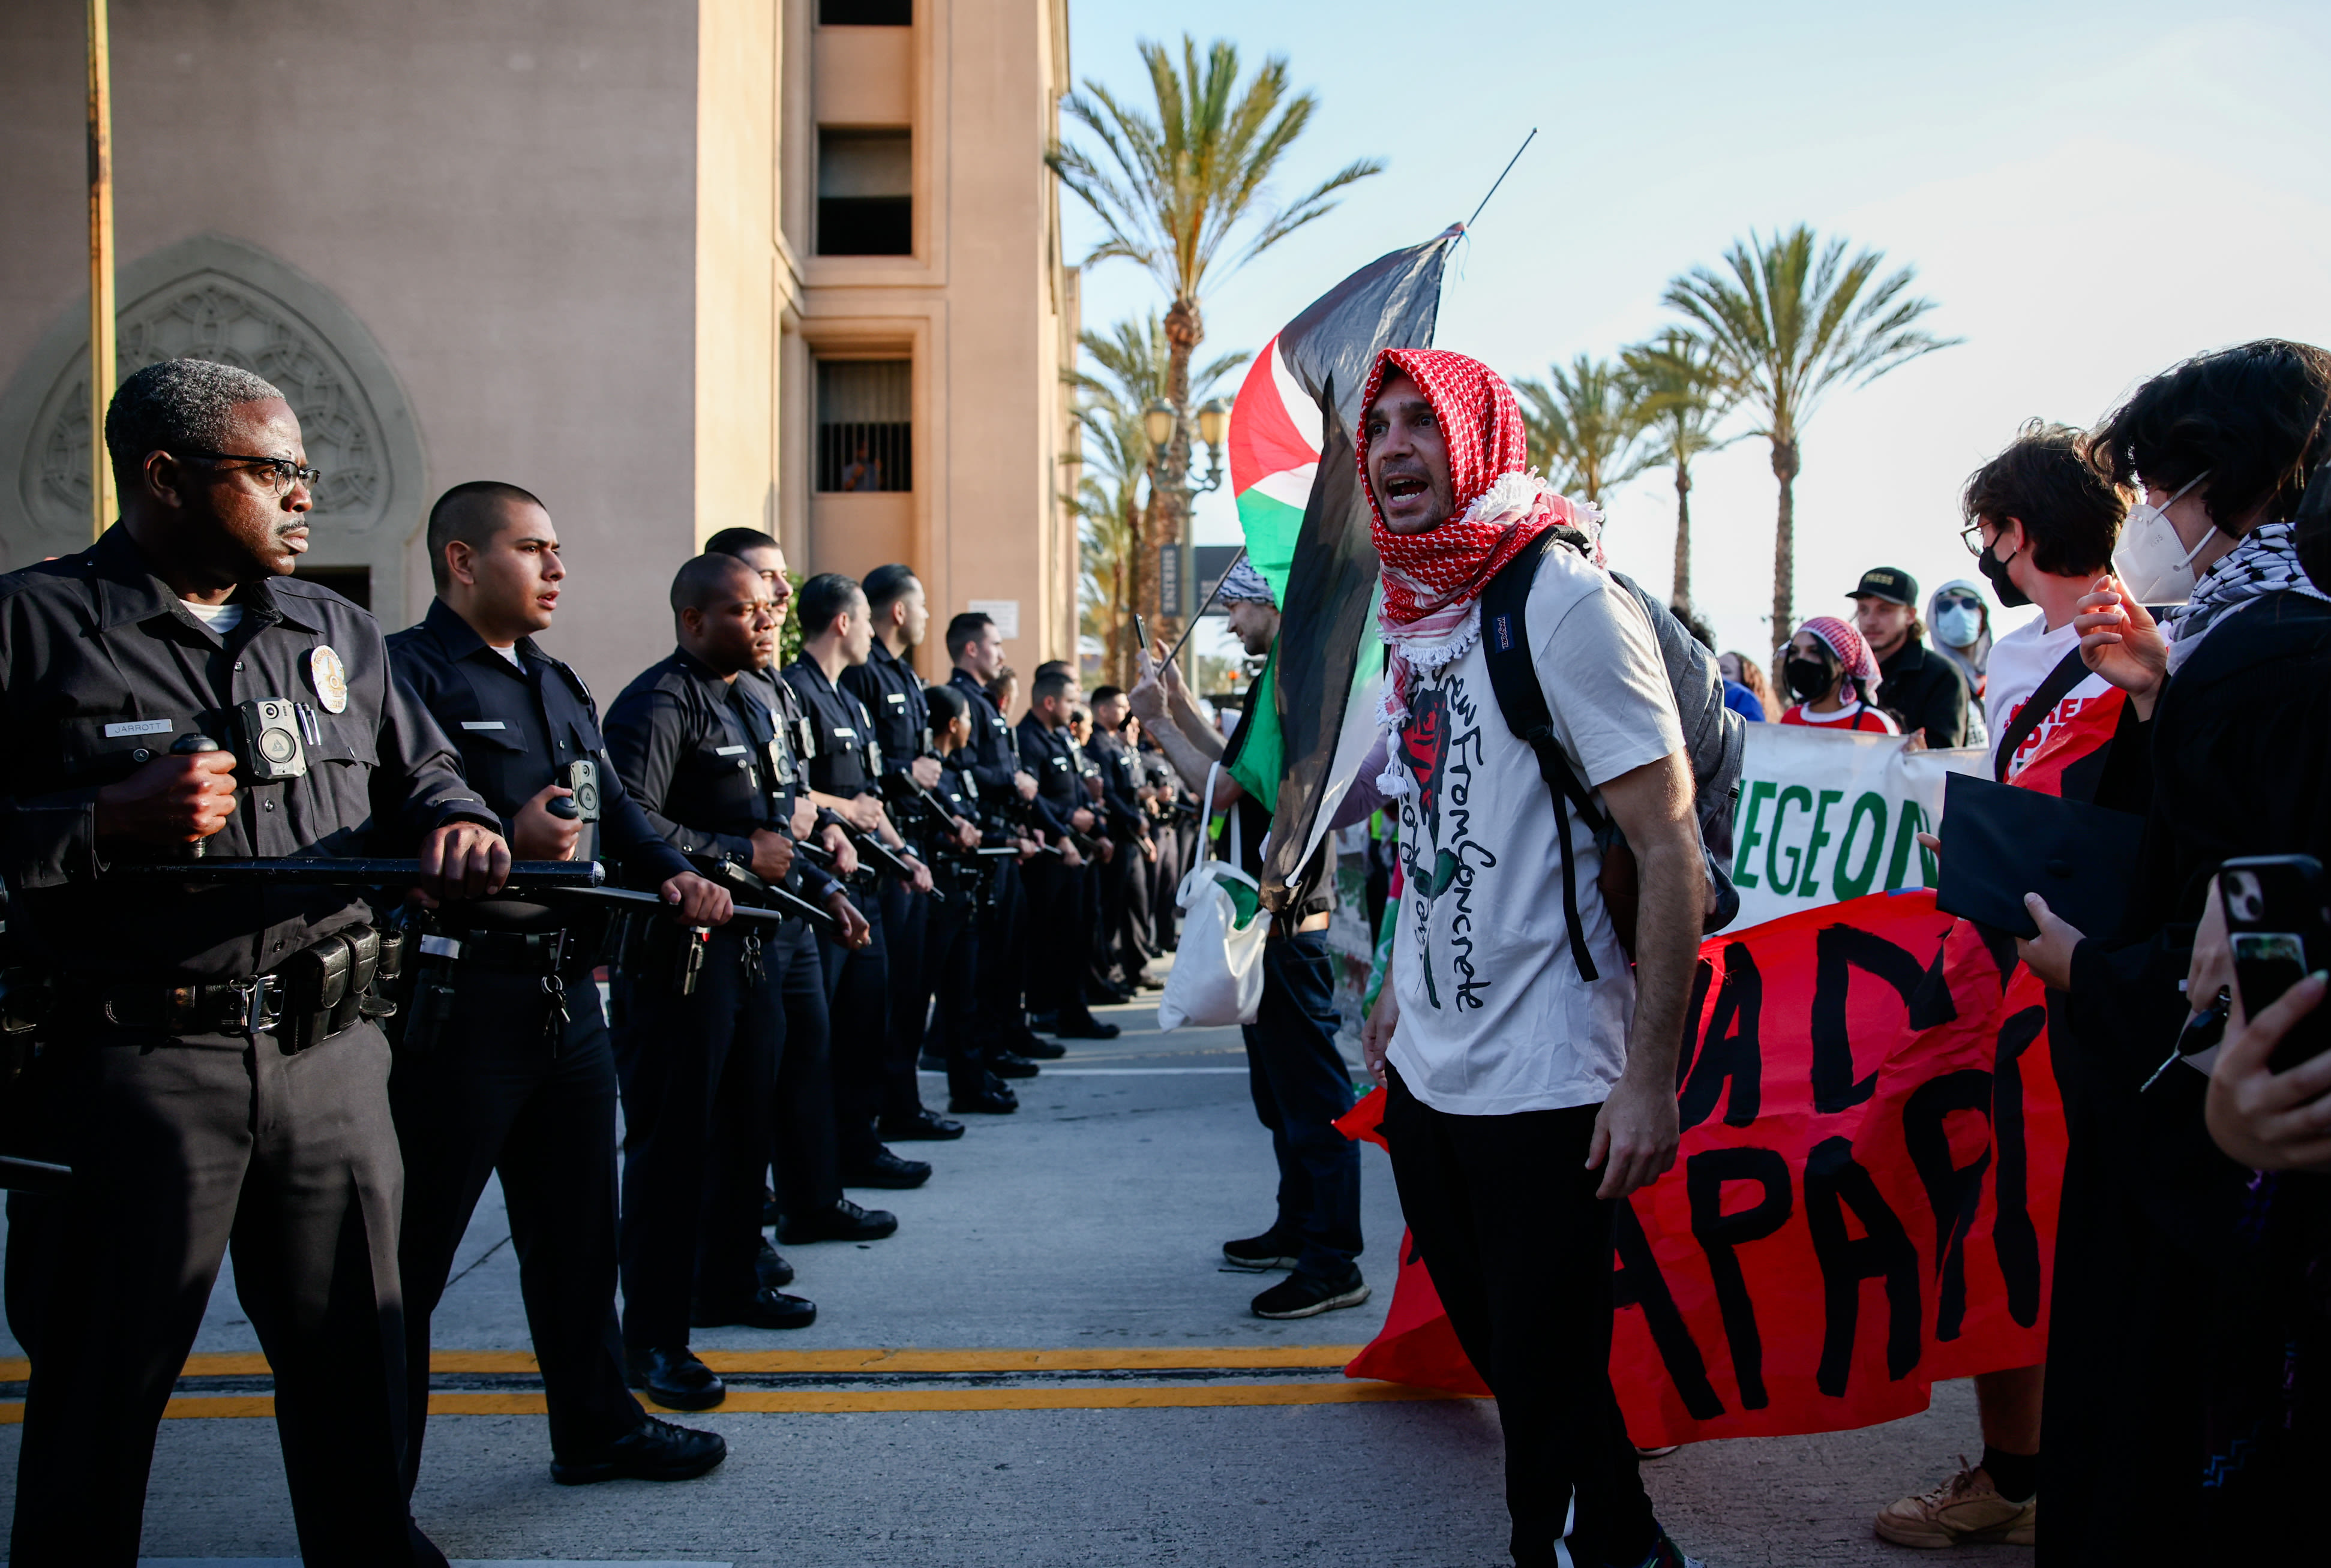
<point>1494,1018</point>
<point>2020,662</point>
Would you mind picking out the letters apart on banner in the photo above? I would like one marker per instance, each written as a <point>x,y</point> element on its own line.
<point>1864,1203</point>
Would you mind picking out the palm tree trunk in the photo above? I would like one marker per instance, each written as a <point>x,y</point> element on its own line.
<point>1784,541</point>
<point>1185,329</point>
<point>1679,595</point>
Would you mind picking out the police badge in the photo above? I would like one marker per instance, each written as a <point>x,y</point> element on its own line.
<point>329,677</point>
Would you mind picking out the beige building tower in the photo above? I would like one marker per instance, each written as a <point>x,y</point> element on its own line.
<point>674,265</point>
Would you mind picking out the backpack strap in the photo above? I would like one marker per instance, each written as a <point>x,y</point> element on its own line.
<point>1505,643</point>
<point>2069,672</point>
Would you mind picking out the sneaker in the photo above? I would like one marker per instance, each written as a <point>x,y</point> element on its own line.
<point>1259,1253</point>
<point>1965,1510</point>
<point>1307,1296</point>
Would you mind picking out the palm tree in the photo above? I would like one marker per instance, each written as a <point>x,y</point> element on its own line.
<point>1788,321</point>
<point>1587,430</point>
<point>1173,187</point>
<point>1118,518</point>
<point>1686,397</point>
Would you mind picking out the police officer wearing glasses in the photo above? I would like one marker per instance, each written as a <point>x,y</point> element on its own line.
<point>504,1061</point>
<point>210,1069</point>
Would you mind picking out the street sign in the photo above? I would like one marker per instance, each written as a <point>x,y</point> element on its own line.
<point>1214,561</point>
<point>1169,580</point>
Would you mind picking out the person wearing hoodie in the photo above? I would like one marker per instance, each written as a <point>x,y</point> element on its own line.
<point>1960,618</point>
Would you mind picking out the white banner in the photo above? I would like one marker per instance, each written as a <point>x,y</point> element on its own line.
<point>1825,816</point>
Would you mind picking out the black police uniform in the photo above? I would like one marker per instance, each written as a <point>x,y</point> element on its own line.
<point>191,1123</point>
<point>991,758</point>
<point>1126,948</point>
<point>857,981</point>
<point>702,755</point>
<point>1056,892</point>
<point>893,698</point>
<point>951,957</point>
<point>520,1078</point>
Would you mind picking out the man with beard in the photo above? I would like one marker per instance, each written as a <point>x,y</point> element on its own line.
<point>1294,1071</point>
<point>1529,1069</point>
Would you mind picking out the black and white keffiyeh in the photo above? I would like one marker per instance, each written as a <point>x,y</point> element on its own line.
<point>2265,562</point>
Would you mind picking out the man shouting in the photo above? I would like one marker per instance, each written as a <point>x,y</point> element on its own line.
<point>1530,1084</point>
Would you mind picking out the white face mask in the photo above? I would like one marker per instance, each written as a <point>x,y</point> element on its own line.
<point>2151,561</point>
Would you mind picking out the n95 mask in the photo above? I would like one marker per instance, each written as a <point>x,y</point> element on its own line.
<point>2151,561</point>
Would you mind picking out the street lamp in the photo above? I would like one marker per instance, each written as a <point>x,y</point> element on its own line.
<point>1161,422</point>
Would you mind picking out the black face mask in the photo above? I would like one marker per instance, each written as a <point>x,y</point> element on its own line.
<point>1808,678</point>
<point>1994,571</point>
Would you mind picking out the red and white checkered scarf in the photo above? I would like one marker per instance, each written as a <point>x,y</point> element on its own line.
<point>1432,581</point>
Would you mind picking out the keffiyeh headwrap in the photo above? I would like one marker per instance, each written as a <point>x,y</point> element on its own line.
<point>1432,581</point>
<point>1852,649</point>
<point>2265,562</point>
<point>1243,584</point>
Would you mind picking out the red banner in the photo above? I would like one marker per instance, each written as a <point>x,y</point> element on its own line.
<point>1865,1199</point>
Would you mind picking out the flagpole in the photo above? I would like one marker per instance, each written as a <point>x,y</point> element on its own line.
<point>103,365</point>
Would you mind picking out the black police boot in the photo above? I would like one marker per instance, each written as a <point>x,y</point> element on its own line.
<point>674,1378</point>
<point>653,1450</point>
<point>772,1271</point>
<point>1043,1020</point>
<point>1100,992</point>
<point>886,1169</point>
<point>988,1098</point>
<point>924,1126</point>
<point>765,1308</point>
<point>845,1222</point>
<point>1085,1026</point>
<point>1007,1064</point>
<point>1025,1041</point>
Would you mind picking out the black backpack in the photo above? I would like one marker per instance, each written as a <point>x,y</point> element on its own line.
<point>1714,739</point>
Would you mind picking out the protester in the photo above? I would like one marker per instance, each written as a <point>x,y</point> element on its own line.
<point>1517,1121</point>
<point>1747,692</point>
<point>1960,619</point>
<point>2186,1424</point>
<point>1829,670</point>
<point>1926,695</point>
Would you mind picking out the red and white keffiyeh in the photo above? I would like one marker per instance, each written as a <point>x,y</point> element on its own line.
<point>1432,581</point>
<point>1852,650</point>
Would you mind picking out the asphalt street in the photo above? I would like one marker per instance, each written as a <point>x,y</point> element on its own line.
<point>1046,1366</point>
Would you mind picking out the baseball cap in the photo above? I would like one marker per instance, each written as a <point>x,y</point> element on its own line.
<point>1891,584</point>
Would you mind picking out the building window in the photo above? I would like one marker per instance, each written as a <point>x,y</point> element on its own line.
<point>866,13</point>
<point>865,424</point>
<point>865,193</point>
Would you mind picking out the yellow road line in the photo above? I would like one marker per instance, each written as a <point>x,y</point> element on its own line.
<point>808,1402</point>
<point>1137,1358</point>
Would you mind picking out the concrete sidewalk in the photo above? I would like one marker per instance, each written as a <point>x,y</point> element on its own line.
<point>1088,1222</point>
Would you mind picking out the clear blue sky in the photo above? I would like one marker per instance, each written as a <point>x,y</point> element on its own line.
<point>2088,192</point>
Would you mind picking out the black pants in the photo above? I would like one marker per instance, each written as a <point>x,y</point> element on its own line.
<point>1301,1085</point>
<point>949,974</point>
<point>1002,920</point>
<point>858,995</point>
<point>801,1114</point>
<point>695,1073</point>
<point>1504,1213</point>
<point>181,1149</point>
<point>1124,913</point>
<point>1053,952</point>
<point>1164,881</point>
<point>495,1094</point>
<point>906,917</point>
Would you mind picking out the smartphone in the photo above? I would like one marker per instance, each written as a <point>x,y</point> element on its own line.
<point>1141,633</point>
<point>2279,921</point>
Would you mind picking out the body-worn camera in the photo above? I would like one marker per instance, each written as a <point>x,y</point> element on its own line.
<point>269,739</point>
<point>581,776</point>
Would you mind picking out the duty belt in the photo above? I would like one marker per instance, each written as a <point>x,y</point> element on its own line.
<point>228,1007</point>
<point>520,952</point>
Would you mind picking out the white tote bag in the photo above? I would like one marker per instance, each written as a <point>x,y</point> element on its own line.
<point>1217,975</point>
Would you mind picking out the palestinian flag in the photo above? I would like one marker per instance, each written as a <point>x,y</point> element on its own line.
<point>1293,438</point>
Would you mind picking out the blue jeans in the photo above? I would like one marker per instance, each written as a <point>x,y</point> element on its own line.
<point>1301,1085</point>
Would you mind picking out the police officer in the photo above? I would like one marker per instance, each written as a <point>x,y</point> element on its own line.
<point>512,1070</point>
<point>844,760</point>
<point>199,1087</point>
<point>951,934</point>
<point>702,1021</point>
<point>991,758</point>
<point>1056,905</point>
<point>1124,894</point>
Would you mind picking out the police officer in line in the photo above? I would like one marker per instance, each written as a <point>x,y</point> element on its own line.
<point>806,1205</point>
<point>700,1016</point>
<point>885,685</point>
<point>843,763</point>
<point>1125,944</point>
<point>951,933</point>
<point>1055,984</point>
<point>210,1069</point>
<point>503,1061</point>
<point>1007,1045</point>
